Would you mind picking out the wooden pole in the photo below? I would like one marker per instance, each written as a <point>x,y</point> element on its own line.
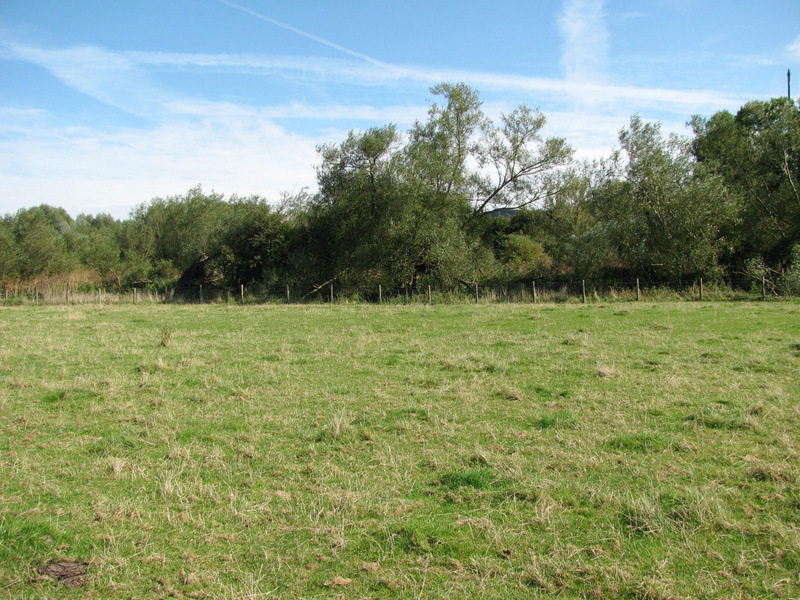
<point>241,292</point>
<point>380,294</point>
<point>638,291</point>
<point>701,289</point>
<point>583,285</point>
<point>534,292</point>
<point>477,296</point>
<point>430,297</point>
<point>331,292</point>
<point>288,294</point>
<point>764,288</point>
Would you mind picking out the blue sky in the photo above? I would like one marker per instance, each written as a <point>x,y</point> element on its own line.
<point>105,104</point>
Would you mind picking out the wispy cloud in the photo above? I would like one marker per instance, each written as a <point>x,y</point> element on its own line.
<point>112,78</point>
<point>125,79</point>
<point>794,48</point>
<point>565,89</point>
<point>632,14</point>
<point>226,111</point>
<point>253,147</point>
<point>94,171</point>
<point>316,38</point>
<point>314,67</point>
<point>583,27</point>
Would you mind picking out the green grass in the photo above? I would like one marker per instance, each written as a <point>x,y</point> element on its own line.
<point>493,451</point>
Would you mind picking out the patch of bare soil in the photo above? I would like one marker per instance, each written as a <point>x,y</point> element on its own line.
<point>71,574</point>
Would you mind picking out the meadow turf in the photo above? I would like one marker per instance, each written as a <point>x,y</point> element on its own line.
<point>621,450</point>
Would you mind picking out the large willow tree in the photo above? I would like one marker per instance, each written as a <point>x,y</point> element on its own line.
<point>397,209</point>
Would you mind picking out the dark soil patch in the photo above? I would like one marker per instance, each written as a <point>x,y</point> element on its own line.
<point>71,574</point>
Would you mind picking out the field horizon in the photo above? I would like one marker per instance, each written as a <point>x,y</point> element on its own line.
<point>609,450</point>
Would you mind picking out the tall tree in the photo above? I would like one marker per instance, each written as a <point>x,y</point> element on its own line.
<point>460,152</point>
<point>360,196</point>
<point>40,233</point>
<point>178,229</point>
<point>439,148</point>
<point>518,167</point>
<point>661,211</point>
<point>757,153</point>
<point>253,244</point>
<point>381,216</point>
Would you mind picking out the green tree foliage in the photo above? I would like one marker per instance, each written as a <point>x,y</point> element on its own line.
<point>40,235</point>
<point>524,257</point>
<point>460,152</point>
<point>438,149</point>
<point>757,154</point>
<point>178,230</point>
<point>395,210</point>
<point>403,209</point>
<point>253,243</point>
<point>9,267</point>
<point>570,233</point>
<point>660,211</point>
<point>374,220</point>
<point>518,167</point>
<point>96,240</point>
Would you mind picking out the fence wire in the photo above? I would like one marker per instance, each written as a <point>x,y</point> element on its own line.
<point>546,291</point>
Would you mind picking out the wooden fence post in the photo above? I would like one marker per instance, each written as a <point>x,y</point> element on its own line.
<point>430,297</point>
<point>534,292</point>
<point>583,286</point>
<point>331,293</point>
<point>288,294</point>
<point>701,289</point>
<point>638,290</point>
<point>380,294</point>
<point>477,296</point>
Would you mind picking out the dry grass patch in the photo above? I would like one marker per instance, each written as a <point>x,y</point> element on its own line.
<point>446,451</point>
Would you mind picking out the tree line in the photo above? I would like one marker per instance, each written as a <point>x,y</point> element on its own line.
<point>459,199</point>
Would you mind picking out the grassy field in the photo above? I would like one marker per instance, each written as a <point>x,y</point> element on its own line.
<point>626,450</point>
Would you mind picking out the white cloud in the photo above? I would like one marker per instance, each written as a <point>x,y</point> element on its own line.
<point>241,148</point>
<point>109,77</point>
<point>794,48</point>
<point>299,66</point>
<point>92,171</point>
<point>633,14</point>
<point>583,27</point>
<point>123,79</point>
<point>225,111</point>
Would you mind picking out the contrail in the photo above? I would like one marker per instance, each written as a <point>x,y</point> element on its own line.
<point>316,38</point>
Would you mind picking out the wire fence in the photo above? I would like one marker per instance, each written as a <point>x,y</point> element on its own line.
<point>523,292</point>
